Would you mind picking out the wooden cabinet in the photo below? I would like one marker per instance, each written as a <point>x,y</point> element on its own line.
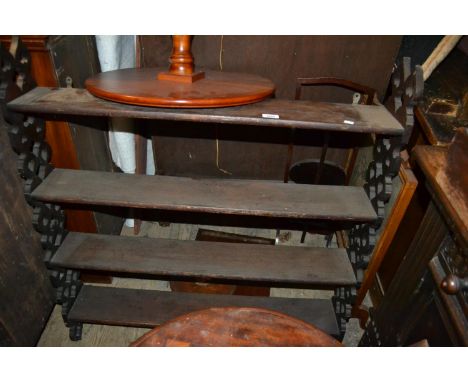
<point>417,304</point>
<point>438,111</point>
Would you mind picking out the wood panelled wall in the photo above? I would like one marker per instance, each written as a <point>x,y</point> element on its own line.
<point>81,144</point>
<point>196,152</point>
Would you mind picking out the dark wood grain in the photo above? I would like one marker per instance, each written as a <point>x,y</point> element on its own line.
<point>448,184</point>
<point>298,114</point>
<point>325,267</point>
<point>405,233</point>
<point>234,197</point>
<point>398,209</point>
<point>145,87</point>
<point>208,235</point>
<point>236,327</point>
<point>26,294</point>
<point>150,308</point>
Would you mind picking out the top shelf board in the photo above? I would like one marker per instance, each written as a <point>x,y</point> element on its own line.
<point>292,114</point>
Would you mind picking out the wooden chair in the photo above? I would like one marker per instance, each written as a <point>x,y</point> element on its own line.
<point>366,96</point>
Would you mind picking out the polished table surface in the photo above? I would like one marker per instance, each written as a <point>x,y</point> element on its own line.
<point>236,327</point>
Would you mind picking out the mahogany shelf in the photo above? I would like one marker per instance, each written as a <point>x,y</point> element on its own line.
<point>142,87</point>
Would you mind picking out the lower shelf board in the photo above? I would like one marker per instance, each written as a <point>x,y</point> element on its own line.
<point>150,308</point>
<point>289,265</point>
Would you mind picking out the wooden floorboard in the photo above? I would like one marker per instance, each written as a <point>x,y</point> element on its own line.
<point>291,114</point>
<point>292,266</point>
<point>143,308</point>
<point>231,197</point>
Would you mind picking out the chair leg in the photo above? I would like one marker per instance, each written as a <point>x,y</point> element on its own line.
<point>318,174</point>
<point>303,236</point>
<point>287,167</point>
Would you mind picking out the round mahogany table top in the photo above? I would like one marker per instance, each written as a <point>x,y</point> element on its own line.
<point>235,326</point>
<point>141,87</point>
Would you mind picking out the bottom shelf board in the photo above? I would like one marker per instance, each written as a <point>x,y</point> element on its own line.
<point>150,308</point>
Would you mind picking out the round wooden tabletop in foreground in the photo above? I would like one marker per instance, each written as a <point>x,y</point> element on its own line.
<point>141,87</point>
<point>236,327</point>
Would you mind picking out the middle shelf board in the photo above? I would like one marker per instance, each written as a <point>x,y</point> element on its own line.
<point>268,199</point>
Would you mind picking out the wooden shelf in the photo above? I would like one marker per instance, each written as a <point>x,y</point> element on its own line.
<point>150,308</point>
<point>284,265</point>
<point>232,197</point>
<point>297,114</point>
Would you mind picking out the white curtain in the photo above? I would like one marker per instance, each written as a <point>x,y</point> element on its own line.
<point>118,52</point>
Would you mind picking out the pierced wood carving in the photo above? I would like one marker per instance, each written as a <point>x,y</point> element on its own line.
<point>362,237</point>
<point>407,90</point>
